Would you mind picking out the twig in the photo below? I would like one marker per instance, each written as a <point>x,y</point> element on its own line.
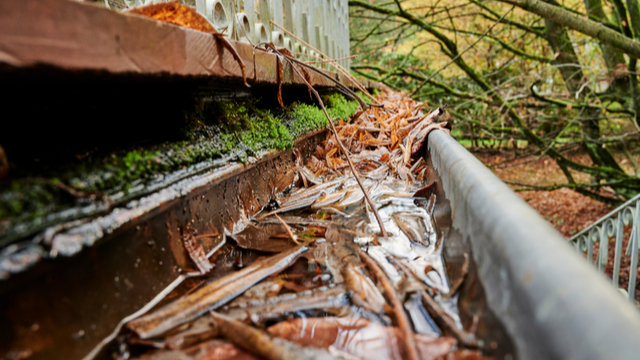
<point>398,309</point>
<point>326,61</point>
<point>446,323</point>
<point>343,149</point>
<point>442,319</point>
<point>456,285</point>
<point>341,87</point>
<point>252,340</point>
<point>460,54</point>
<point>337,66</point>
<point>288,229</point>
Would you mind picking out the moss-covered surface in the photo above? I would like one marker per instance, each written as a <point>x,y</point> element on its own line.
<point>212,130</point>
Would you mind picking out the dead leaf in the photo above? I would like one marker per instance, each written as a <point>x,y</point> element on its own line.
<point>279,67</point>
<point>175,13</point>
<point>365,339</point>
<point>195,250</point>
<point>183,15</point>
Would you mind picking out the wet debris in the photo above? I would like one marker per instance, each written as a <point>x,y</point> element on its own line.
<point>352,291</point>
<point>211,296</point>
<point>359,338</point>
<point>16,258</point>
<point>266,237</point>
<point>363,292</point>
<point>262,344</point>
<point>195,250</point>
<point>398,309</point>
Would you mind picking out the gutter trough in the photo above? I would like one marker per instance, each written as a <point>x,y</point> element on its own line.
<point>528,292</point>
<point>552,303</point>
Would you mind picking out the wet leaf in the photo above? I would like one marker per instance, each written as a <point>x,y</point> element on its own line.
<point>195,250</point>
<point>416,226</point>
<point>363,292</point>
<point>261,237</point>
<point>211,296</point>
<point>279,71</point>
<point>208,350</point>
<point>358,337</point>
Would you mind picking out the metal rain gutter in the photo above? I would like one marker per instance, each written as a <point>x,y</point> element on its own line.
<point>553,304</point>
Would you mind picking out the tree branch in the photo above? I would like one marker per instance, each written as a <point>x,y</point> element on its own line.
<point>580,24</point>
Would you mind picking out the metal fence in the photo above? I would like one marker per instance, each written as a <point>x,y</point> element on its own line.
<point>321,24</point>
<point>602,231</point>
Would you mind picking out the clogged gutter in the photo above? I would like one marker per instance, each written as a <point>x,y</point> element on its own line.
<point>340,276</point>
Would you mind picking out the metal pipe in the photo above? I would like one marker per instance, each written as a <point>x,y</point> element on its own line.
<point>550,301</point>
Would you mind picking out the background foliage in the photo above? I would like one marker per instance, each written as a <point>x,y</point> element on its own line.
<point>525,83</point>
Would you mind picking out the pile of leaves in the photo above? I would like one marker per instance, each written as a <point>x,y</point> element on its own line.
<point>320,273</point>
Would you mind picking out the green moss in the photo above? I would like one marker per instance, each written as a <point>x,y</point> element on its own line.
<point>339,107</point>
<point>234,128</point>
<point>256,129</point>
<point>368,98</point>
<point>308,118</point>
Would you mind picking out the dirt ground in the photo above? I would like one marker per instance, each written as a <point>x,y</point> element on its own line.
<point>566,210</point>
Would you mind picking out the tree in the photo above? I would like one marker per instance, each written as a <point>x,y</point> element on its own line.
<point>549,121</point>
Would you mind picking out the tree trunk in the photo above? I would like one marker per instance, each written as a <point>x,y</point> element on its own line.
<point>558,38</point>
<point>621,84</point>
<point>612,57</point>
<point>634,16</point>
<point>580,24</point>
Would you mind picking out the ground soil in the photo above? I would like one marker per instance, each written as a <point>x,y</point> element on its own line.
<point>566,210</point>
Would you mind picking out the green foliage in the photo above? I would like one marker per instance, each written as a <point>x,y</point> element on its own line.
<point>236,129</point>
<point>309,118</point>
<point>529,79</point>
<point>339,107</point>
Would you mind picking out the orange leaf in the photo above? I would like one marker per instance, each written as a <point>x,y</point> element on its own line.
<point>279,66</point>
<point>174,13</point>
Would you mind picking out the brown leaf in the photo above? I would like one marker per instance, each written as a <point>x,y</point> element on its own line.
<point>394,140</point>
<point>357,114</point>
<point>407,154</point>
<point>279,66</point>
<point>175,13</point>
<point>263,237</point>
<point>365,339</point>
<point>186,16</point>
<point>225,44</point>
<point>195,250</point>
<point>420,139</point>
<point>363,292</point>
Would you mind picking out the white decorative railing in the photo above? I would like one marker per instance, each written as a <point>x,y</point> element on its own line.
<point>610,226</point>
<point>322,24</point>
